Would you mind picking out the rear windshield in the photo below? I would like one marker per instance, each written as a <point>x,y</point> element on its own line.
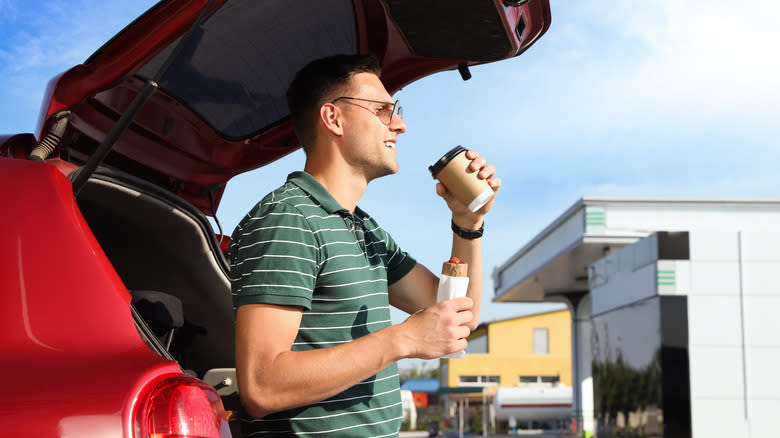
<point>235,68</point>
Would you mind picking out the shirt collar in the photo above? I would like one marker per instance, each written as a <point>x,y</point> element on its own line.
<point>319,193</point>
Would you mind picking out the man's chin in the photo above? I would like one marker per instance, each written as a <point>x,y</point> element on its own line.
<point>394,169</point>
<point>386,172</point>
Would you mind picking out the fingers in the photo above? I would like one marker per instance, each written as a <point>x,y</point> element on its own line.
<point>487,171</point>
<point>495,183</point>
<point>441,190</point>
<point>440,329</point>
<point>460,309</point>
<point>463,319</point>
<point>459,338</point>
<point>479,165</point>
<point>484,171</point>
<point>459,304</point>
<point>458,330</point>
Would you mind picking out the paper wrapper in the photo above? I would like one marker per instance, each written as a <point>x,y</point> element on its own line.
<point>453,284</point>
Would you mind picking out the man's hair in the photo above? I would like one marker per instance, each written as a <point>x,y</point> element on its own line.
<point>316,83</point>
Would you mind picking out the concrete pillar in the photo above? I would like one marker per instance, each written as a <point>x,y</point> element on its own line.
<point>460,418</point>
<point>582,377</point>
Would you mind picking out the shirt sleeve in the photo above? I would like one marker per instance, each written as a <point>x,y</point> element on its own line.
<point>274,258</point>
<point>399,262</point>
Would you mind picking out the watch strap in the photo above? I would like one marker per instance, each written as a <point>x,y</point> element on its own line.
<point>468,234</point>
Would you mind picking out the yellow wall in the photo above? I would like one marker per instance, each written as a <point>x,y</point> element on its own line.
<point>510,351</point>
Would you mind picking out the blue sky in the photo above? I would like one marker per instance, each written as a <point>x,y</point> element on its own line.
<point>630,98</point>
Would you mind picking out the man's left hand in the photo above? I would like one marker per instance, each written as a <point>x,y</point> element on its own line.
<point>461,215</point>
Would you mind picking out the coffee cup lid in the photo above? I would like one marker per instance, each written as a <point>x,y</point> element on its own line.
<point>439,165</point>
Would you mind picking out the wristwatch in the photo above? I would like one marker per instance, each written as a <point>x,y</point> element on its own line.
<point>468,234</point>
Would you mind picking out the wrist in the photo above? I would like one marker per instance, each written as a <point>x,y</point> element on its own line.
<point>398,345</point>
<point>469,221</point>
<point>467,233</point>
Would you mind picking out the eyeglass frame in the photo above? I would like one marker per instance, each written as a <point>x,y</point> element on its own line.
<point>396,110</point>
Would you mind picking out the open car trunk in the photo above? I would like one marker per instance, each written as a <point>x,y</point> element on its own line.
<point>159,243</point>
<point>166,254</point>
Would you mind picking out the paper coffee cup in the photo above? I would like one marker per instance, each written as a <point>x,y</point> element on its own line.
<point>454,172</point>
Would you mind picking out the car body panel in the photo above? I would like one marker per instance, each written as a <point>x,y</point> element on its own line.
<point>66,316</point>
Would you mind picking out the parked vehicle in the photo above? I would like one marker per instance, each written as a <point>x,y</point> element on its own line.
<point>533,403</point>
<point>117,316</point>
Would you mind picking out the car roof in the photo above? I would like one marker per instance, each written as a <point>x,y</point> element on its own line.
<point>220,108</point>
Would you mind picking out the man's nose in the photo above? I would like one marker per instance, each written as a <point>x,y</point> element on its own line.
<point>398,125</point>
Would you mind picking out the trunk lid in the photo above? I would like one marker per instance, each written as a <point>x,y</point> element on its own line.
<point>220,108</point>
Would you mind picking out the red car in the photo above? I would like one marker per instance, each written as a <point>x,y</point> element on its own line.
<point>117,316</point>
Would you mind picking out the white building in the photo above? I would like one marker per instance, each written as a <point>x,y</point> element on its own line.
<point>674,304</point>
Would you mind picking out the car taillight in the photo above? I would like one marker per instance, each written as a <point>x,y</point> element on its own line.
<point>181,407</point>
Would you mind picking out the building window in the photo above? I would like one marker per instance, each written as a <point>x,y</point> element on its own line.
<point>479,380</point>
<point>540,341</point>
<point>539,380</point>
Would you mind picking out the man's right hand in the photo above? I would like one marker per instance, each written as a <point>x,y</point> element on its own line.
<point>272,377</point>
<point>437,330</point>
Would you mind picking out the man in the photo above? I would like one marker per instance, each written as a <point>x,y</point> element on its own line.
<point>313,274</point>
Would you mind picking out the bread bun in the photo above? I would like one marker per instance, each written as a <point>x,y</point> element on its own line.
<point>455,269</point>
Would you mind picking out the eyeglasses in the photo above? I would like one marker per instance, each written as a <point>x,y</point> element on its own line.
<point>385,113</point>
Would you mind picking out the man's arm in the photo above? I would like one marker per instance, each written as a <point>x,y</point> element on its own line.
<point>272,377</point>
<point>417,290</point>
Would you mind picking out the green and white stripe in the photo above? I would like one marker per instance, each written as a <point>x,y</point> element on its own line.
<point>666,277</point>
<point>595,218</point>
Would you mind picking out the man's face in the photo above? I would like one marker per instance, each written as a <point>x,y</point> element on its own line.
<point>370,144</point>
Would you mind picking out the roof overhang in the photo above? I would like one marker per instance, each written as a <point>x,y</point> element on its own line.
<point>556,261</point>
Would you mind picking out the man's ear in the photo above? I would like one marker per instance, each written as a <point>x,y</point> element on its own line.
<point>331,118</point>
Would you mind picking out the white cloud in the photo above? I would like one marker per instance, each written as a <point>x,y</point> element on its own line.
<point>713,58</point>
<point>604,65</point>
<point>709,57</point>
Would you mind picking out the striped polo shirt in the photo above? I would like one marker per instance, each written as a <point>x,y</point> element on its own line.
<point>299,247</point>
